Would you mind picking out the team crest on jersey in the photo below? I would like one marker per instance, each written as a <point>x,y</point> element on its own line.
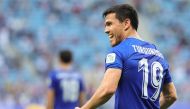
<point>110,58</point>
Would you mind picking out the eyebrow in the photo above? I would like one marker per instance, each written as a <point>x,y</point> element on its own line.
<point>108,22</point>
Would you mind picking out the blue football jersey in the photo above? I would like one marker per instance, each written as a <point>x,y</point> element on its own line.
<point>144,71</point>
<point>67,86</point>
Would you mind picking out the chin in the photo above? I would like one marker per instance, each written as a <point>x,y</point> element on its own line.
<point>113,45</point>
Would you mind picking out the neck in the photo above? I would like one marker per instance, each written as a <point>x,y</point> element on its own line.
<point>66,66</point>
<point>132,33</point>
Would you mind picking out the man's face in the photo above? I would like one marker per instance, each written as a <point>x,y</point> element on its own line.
<point>114,29</point>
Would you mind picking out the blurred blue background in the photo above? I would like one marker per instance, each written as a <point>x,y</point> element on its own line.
<point>33,31</point>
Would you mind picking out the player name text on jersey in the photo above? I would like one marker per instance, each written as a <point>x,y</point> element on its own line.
<point>145,50</point>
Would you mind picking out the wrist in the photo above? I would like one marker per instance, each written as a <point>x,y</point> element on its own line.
<point>87,106</point>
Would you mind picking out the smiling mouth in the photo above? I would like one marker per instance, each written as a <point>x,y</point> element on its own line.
<point>111,36</point>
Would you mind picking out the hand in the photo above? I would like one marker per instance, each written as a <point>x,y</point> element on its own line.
<point>77,108</point>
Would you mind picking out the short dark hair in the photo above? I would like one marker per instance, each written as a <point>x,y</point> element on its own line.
<point>65,56</point>
<point>122,12</point>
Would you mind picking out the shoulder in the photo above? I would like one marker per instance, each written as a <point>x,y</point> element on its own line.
<point>52,73</point>
<point>75,73</point>
<point>164,60</point>
<point>124,49</point>
<point>118,48</point>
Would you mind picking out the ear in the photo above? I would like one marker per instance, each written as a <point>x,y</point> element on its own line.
<point>127,23</point>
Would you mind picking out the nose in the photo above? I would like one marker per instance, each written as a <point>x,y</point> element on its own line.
<point>106,30</point>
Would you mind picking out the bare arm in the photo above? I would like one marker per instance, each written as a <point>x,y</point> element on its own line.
<point>50,99</point>
<point>168,96</point>
<point>106,89</point>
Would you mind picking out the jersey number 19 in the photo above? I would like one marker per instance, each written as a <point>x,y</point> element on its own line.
<point>156,71</point>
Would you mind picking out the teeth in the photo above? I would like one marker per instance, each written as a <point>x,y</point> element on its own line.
<point>110,36</point>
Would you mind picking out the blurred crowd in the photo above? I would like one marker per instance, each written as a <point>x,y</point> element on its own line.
<point>33,31</point>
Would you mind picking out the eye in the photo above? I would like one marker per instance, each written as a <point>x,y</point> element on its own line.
<point>108,24</point>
